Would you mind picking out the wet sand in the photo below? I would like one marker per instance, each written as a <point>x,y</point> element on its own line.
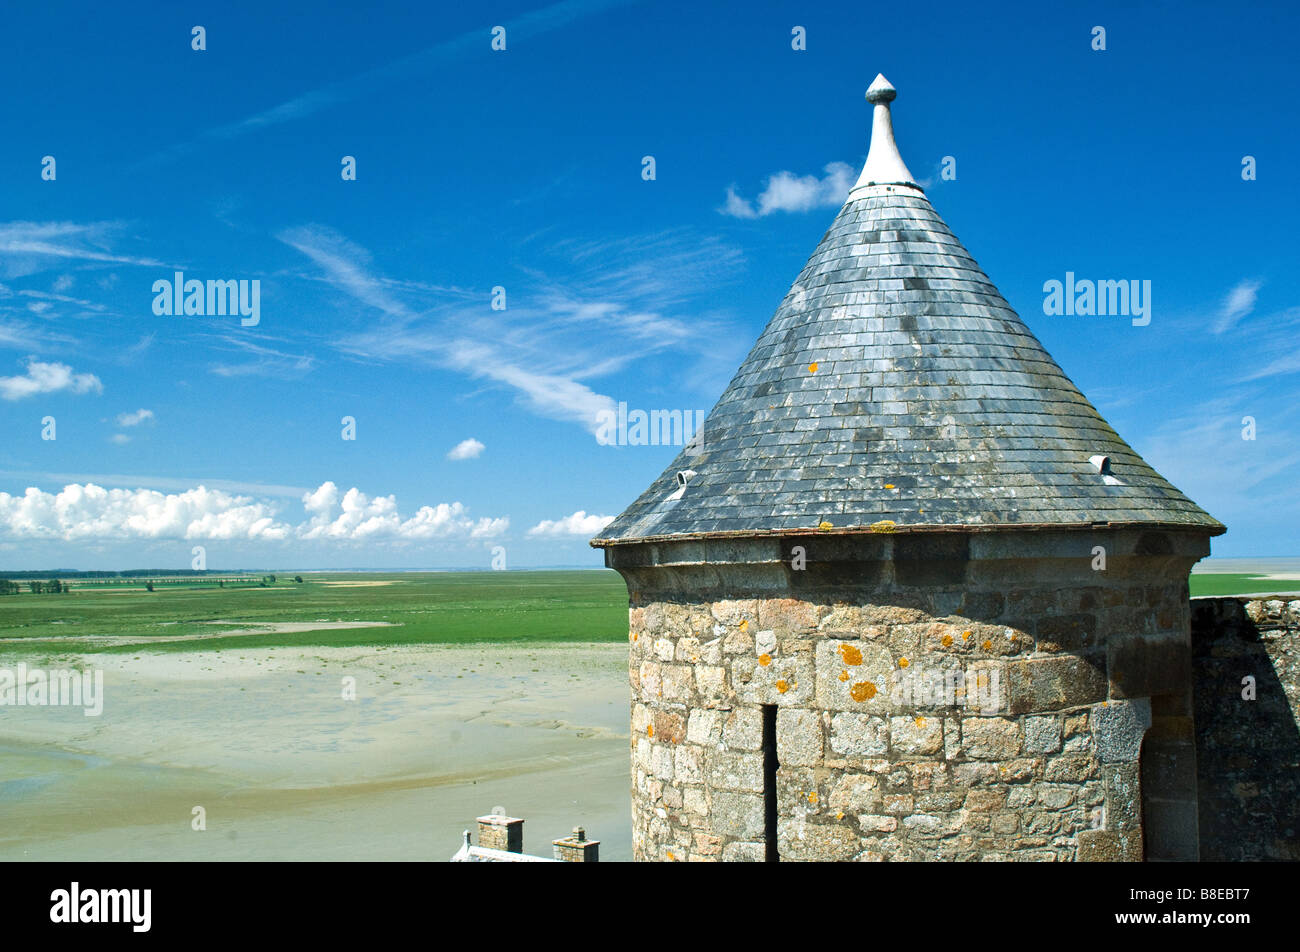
<point>286,768</point>
<point>1278,568</point>
<point>277,627</point>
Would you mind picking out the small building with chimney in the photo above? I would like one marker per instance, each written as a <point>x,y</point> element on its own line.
<point>501,840</point>
<point>909,596</point>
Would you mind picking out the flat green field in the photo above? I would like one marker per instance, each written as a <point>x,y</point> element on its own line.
<point>1214,583</point>
<point>402,608</point>
<point>422,608</point>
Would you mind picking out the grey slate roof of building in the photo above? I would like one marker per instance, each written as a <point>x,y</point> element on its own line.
<point>932,406</point>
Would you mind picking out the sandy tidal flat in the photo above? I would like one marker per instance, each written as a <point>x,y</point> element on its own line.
<point>1267,568</point>
<point>286,768</point>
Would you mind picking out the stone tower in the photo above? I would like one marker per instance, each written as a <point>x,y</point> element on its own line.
<point>910,597</point>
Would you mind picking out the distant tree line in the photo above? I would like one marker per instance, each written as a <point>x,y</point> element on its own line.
<point>40,583</point>
<point>126,573</point>
<point>42,587</point>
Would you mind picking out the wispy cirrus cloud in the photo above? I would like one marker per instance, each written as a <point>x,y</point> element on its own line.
<point>23,335</point>
<point>373,81</point>
<point>1279,341</point>
<point>44,301</point>
<point>787,192</point>
<point>28,247</point>
<point>549,394</point>
<point>139,347</point>
<point>346,265</point>
<point>266,361</point>
<point>1202,451</point>
<point>1262,342</point>
<point>160,482</point>
<point>611,311</point>
<point>1239,302</point>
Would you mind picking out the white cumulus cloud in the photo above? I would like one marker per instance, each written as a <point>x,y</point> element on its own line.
<point>787,192</point>
<point>136,418</point>
<point>578,524</point>
<point>466,449</point>
<point>42,377</point>
<point>88,511</point>
<point>354,515</point>
<point>92,512</point>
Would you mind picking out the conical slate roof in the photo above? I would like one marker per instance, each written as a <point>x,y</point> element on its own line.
<point>894,384</point>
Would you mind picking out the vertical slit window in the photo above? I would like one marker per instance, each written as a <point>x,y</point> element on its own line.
<point>770,765</point>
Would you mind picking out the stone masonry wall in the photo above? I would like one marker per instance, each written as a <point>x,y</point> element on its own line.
<point>1248,750</point>
<point>1041,765</point>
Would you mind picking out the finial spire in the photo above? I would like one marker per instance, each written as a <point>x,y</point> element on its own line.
<point>881,90</point>
<point>884,165</point>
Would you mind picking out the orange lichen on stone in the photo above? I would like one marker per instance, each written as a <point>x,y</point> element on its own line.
<point>987,646</point>
<point>650,730</point>
<point>920,722</point>
<point>862,691</point>
<point>850,654</point>
<point>844,675</point>
<point>744,624</point>
<point>782,685</point>
<point>765,659</point>
<point>839,816</point>
<point>965,636</point>
<point>889,485</point>
<point>812,368</point>
<point>812,796</point>
<point>947,641</point>
<point>903,662</point>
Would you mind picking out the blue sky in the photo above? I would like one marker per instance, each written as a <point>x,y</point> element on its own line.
<point>522,169</point>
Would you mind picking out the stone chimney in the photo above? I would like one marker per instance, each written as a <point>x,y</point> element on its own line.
<point>497,831</point>
<point>576,848</point>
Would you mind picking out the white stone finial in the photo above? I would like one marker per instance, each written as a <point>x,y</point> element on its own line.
<point>885,167</point>
<point>881,90</point>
